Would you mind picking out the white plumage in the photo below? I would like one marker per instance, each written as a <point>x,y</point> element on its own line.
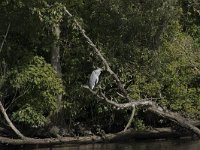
<point>94,78</point>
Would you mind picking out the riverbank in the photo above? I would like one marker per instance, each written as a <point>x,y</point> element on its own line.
<point>172,144</point>
<point>131,134</point>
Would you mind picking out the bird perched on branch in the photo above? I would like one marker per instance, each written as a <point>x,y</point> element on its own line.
<point>94,78</point>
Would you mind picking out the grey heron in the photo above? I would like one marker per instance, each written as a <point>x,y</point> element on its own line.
<point>94,78</point>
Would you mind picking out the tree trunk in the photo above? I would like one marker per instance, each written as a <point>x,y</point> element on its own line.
<point>55,51</point>
<point>57,117</point>
<point>55,57</point>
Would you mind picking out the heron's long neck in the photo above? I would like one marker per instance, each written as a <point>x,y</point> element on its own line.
<point>97,73</point>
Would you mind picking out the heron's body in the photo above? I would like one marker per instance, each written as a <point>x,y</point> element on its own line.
<point>94,78</point>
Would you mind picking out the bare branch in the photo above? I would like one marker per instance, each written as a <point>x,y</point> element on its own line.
<point>16,98</point>
<point>175,117</point>
<point>131,119</point>
<point>97,51</point>
<point>11,125</point>
<point>5,36</point>
<point>142,102</point>
<point>154,108</point>
<point>120,85</point>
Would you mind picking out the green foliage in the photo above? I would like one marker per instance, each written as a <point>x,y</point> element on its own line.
<point>138,124</point>
<point>179,59</point>
<point>190,18</point>
<point>144,87</point>
<point>42,86</point>
<point>152,45</point>
<point>29,116</point>
<point>50,14</point>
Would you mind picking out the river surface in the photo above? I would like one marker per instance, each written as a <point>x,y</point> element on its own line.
<point>135,145</point>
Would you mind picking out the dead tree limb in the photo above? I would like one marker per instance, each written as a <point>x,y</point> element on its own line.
<point>97,51</point>
<point>175,117</point>
<point>108,68</point>
<point>3,111</point>
<point>5,36</point>
<point>139,103</point>
<point>131,119</point>
<point>152,106</point>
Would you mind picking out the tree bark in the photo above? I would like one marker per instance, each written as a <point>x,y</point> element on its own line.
<point>55,57</point>
<point>55,51</point>
<point>57,117</point>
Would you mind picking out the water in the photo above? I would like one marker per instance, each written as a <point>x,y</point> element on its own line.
<point>135,145</point>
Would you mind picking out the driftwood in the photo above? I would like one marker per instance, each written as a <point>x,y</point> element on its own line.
<point>121,136</point>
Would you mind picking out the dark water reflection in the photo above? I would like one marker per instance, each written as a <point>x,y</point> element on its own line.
<point>135,145</point>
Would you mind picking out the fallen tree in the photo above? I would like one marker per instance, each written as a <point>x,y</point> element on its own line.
<point>130,134</point>
<point>148,103</point>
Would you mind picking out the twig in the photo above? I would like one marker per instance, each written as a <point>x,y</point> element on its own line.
<point>5,36</point>
<point>16,98</point>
